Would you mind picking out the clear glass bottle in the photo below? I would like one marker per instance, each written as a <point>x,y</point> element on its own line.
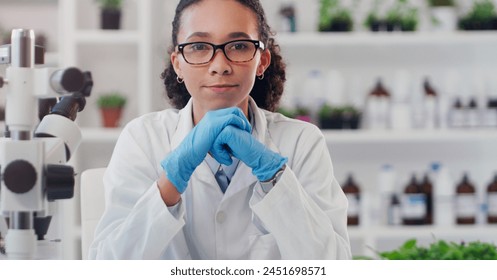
<point>457,115</point>
<point>385,190</point>
<point>394,211</point>
<point>473,113</point>
<point>430,106</point>
<point>378,107</point>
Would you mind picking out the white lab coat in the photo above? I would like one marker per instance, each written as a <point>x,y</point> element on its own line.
<point>302,217</point>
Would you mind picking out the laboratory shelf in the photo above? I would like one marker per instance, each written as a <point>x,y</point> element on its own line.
<point>368,39</point>
<point>410,136</point>
<point>107,37</point>
<point>100,135</point>
<point>435,232</point>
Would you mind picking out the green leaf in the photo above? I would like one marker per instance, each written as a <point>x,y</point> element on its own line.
<point>111,100</point>
<point>110,4</point>
<point>442,250</point>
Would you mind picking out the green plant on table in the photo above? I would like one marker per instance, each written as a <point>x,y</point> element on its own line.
<point>288,112</point>
<point>334,16</point>
<point>409,20</point>
<point>441,3</point>
<point>325,111</point>
<point>110,4</point>
<point>111,100</point>
<point>482,10</point>
<point>481,17</point>
<point>442,250</point>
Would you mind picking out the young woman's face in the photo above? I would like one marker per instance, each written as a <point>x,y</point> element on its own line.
<point>220,83</point>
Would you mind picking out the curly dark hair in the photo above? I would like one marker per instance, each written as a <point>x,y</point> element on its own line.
<point>266,92</point>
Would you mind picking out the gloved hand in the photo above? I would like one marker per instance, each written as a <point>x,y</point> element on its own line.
<point>182,161</point>
<point>242,145</point>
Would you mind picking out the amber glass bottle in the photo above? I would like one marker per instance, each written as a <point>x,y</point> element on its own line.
<point>352,191</point>
<point>427,189</point>
<point>465,202</point>
<point>492,201</point>
<point>413,204</point>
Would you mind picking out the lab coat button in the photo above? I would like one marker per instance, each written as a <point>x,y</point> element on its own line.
<point>221,217</point>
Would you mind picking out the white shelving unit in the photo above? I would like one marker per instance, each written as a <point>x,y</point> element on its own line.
<point>131,59</point>
<point>125,60</point>
<point>105,51</point>
<point>390,39</point>
<point>364,152</point>
<point>362,57</point>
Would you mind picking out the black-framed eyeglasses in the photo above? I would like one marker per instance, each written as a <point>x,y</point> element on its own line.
<point>197,53</point>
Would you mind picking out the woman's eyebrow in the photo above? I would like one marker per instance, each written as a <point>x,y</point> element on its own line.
<point>199,34</point>
<point>232,35</point>
<point>235,35</point>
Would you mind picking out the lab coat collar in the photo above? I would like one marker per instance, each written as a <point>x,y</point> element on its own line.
<point>185,124</point>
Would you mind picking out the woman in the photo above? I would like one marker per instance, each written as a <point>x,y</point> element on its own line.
<point>223,177</point>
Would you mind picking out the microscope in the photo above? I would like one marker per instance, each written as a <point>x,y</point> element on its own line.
<point>40,138</point>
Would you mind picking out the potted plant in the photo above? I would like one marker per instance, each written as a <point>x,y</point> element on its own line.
<point>110,14</point>
<point>409,19</point>
<point>351,117</point>
<point>401,16</point>
<point>287,112</point>
<point>373,21</point>
<point>333,17</point>
<point>441,3</point>
<point>303,114</point>
<point>481,17</point>
<point>443,15</point>
<point>111,106</point>
<point>393,18</point>
<point>329,117</point>
<point>339,117</point>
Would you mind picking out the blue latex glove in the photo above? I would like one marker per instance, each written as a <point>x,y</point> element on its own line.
<point>242,145</point>
<point>182,161</point>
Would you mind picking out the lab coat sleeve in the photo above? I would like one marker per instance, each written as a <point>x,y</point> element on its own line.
<point>136,223</point>
<point>306,211</point>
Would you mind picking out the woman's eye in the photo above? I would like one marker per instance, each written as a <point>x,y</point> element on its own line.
<point>199,47</point>
<point>239,46</point>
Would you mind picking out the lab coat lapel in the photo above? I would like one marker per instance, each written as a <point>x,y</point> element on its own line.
<point>204,179</point>
<point>184,126</point>
<point>243,177</point>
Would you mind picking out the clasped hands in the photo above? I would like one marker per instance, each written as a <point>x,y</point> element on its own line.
<point>223,133</point>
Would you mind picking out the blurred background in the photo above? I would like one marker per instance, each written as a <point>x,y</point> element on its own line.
<point>404,92</point>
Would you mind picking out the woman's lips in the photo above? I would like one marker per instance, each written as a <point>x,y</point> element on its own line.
<point>221,88</point>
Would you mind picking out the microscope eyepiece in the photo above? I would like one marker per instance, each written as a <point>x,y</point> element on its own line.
<point>67,80</point>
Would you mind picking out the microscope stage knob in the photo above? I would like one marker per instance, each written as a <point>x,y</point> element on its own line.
<point>19,176</point>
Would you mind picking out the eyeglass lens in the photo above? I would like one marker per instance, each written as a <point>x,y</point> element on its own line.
<point>237,51</point>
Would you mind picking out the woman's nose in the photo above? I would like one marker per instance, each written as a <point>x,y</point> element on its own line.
<point>220,64</point>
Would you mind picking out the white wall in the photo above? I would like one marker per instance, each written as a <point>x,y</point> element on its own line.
<point>40,15</point>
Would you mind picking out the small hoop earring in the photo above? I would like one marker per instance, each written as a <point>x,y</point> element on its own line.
<point>261,77</point>
<point>179,80</point>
